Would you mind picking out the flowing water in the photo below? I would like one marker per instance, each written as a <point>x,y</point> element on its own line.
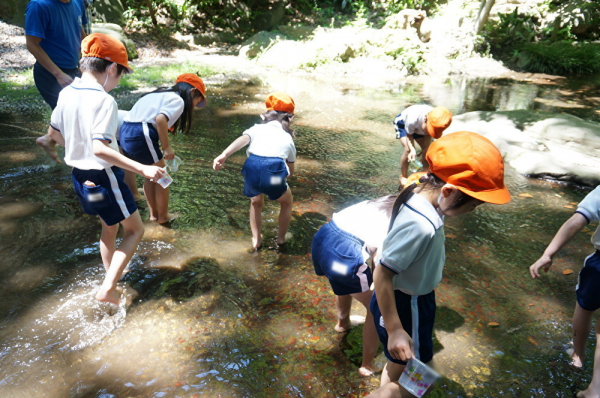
<point>204,318</point>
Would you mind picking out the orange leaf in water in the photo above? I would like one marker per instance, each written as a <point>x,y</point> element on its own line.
<point>567,272</point>
<point>568,207</point>
<point>532,340</point>
<point>526,195</point>
<point>493,324</point>
<point>450,236</point>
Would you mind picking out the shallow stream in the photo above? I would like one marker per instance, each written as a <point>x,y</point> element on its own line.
<point>204,318</point>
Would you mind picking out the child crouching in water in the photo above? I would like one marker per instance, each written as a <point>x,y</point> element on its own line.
<point>85,122</point>
<point>149,122</point>
<point>588,286</point>
<point>340,250</point>
<point>465,171</point>
<point>271,157</point>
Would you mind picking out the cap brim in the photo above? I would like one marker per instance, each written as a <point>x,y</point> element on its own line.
<point>496,197</point>
<point>202,103</point>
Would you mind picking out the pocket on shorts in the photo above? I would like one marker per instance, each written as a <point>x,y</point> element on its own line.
<point>276,173</point>
<point>342,266</point>
<point>97,197</point>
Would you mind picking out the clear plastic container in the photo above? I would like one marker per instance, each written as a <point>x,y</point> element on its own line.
<point>165,180</point>
<point>417,377</point>
<point>414,166</point>
<point>174,164</point>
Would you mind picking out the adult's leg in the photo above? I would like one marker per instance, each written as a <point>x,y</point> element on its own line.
<point>593,390</point>
<point>285,215</point>
<point>370,339</point>
<point>108,243</point>
<point>133,232</point>
<point>343,305</point>
<point>256,206</point>
<point>582,323</point>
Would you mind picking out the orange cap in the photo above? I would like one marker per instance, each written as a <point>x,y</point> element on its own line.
<point>104,46</point>
<point>438,120</point>
<point>472,163</point>
<point>414,177</point>
<point>281,102</point>
<point>194,80</point>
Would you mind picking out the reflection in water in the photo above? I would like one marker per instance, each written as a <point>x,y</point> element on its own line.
<point>202,317</point>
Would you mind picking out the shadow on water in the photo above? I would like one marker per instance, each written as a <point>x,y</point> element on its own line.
<point>205,318</point>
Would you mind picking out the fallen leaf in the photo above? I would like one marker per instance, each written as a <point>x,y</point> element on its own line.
<point>493,324</point>
<point>526,195</point>
<point>450,236</point>
<point>568,207</point>
<point>573,203</point>
<point>567,272</point>
<point>532,340</point>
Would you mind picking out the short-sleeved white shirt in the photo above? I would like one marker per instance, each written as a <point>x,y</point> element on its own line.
<point>271,140</point>
<point>365,220</point>
<point>146,109</point>
<point>590,209</point>
<point>414,248</point>
<point>413,118</point>
<point>85,112</point>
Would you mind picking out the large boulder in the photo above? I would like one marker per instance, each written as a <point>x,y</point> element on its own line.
<point>258,43</point>
<point>109,11</point>
<point>539,144</point>
<point>218,37</point>
<point>297,32</point>
<point>116,31</point>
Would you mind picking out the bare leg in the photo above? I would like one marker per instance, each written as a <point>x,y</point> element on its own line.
<point>162,204</point>
<point>108,243</point>
<point>132,184</point>
<point>134,230</point>
<point>582,323</point>
<point>256,206</point>
<point>49,145</point>
<point>285,216</point>
<point>391,373</point>
<point>404,166</point>
<point>370,338</point>
<point>343,305</point>
<point>424,144</point>
<point>390,390</point>
<point>149,188</point>
<point>593,390</point>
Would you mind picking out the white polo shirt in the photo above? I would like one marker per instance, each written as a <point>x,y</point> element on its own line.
<point>85,112</point>
<point>366,220</point>
<point>151,105</point>
<point>271,140</point>
<point>413,118</point>
<point>590,209</point>
<point>415,249</point>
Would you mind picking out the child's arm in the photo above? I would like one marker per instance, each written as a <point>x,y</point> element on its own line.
<point>408,146</point>
<point>400,345</point>
<point>568,230</point>
<point>162,127</point>
<point>235,146</point>
<point>290,167</point>
<point>56,136</point>
<point>106,153</point>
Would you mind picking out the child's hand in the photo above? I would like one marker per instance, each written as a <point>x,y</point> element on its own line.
<point>412,155</point>
<point>400,345</point>
<point>168,153</point>
<point>543,262</point>
<point>219,162</point>
<point>153,173</point>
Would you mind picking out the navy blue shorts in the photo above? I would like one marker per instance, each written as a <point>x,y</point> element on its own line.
<point>400,129</point>
<point>588,285</point>
<point>110,199</point>
<point>338,255</point>
<point>418,323</point>
<point>265,175</point>
<point>139,142</point>
<point>47,84</point>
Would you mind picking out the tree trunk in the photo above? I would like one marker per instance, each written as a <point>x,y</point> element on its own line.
<point>152,15</point>
<point>482,15</point>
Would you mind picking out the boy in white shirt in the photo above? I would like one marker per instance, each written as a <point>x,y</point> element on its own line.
<point>85,123</point>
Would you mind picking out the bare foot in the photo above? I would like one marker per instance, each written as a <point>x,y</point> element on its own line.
<point>403,180</point>
<point>49,146</point>
<point>109,296</point>
<point>343,325</point>
<point>588,394</point>
<point>287,237</point>
<point>170,217</point>
<point>365,371</point>
<point>152,218</point>
<point>575,362</point>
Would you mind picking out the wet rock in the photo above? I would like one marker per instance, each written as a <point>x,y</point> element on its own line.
<point>259,42</point>
<point>539,144</point>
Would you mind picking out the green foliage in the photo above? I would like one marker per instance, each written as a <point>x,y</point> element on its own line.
<point>411,57</point>
<point>560,58</point>
<point>510,29</point>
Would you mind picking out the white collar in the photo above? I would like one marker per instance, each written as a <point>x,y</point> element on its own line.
<point>425,208</point>
<point>79,83</point>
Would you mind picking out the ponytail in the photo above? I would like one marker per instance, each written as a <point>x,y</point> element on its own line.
<point>284,118</point>
<point>184,90</point>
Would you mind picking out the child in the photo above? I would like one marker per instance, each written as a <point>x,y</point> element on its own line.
<point>340,250</point>
<point>149,121</point>
<point>466,170</point>
<point>588,286</point>
<point>271,157</point>
<point>85,123</point>
<point>421,123</point>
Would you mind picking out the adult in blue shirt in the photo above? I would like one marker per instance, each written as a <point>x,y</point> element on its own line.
<point>53,32</point>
